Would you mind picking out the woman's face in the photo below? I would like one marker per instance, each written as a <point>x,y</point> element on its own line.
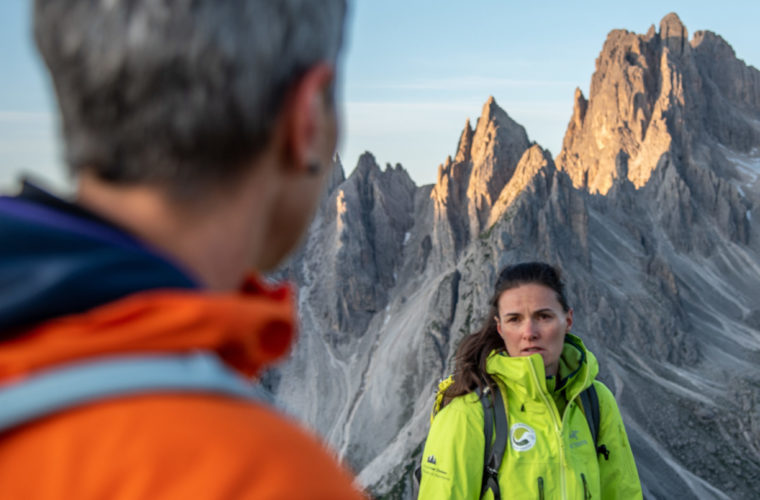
<point>531,320</point>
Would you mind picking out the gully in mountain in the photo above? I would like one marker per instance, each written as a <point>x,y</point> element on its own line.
<point>541,376</point>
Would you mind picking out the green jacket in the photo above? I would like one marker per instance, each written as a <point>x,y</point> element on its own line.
<point>550,453</point>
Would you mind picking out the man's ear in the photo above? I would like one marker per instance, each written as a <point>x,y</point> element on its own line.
<point>569,319</point>
<point>307,111</point>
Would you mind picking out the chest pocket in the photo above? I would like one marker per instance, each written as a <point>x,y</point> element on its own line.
<point>532,408</point>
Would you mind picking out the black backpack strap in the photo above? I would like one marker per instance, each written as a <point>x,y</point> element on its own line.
<point>493,411</point>
<point>590,402</point>
<point>485,401</point>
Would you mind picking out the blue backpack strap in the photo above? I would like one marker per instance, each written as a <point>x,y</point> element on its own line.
<point>79,383</point>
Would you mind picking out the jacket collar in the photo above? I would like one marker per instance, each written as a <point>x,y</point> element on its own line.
<point>248,330</point>
<point>75,286</point>
<point>577,369</point>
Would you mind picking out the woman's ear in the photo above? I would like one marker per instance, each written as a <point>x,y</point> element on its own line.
<point>569,319</point>
<point>498,324</point>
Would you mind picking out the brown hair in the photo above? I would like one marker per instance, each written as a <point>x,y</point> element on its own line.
<point>470,359</point>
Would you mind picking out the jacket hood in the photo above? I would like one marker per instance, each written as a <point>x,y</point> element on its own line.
<point>248,330</point>
<point>74,286</point>
<point>58,259</point>
<point>578,368</point>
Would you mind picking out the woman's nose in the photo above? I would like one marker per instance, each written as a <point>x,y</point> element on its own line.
<point>530,331</point>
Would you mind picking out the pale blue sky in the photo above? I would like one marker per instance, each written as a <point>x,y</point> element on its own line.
<point>415,70</point>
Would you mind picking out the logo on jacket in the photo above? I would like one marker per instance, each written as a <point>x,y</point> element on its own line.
<point>575,440</point>
<point>522,437</point>
<point>431,459</point>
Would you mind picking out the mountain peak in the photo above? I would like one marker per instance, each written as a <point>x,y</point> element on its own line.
<point>671,25</point>
<point>649,109</point>
<point>493,116</point>
<point>633,91</point>
<point>491,109</point>
<point>367,162</point>
<point>337,174</point>
<point>673,33</point>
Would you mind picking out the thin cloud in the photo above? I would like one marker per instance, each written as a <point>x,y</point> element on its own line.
<point>459,83</point>
<point>472,108</point>
<point>390,107</point>
<point>25,116</point>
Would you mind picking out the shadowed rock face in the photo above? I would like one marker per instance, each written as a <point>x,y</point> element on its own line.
<point>651,212</point>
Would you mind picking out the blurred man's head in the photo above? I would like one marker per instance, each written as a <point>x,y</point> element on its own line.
<point>178,93</point>
<point>198,124</point>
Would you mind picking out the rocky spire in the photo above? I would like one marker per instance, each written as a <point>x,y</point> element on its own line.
<point>468,186</point>
<point>367,217</point>
<point>337,174</point>
<point>575,127</point>
<point>579,108</point>
<point>465,144</point>
<point>673,34</point>
<point>497,146</point>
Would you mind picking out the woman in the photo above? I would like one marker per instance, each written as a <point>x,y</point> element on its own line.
<point>525,351</point>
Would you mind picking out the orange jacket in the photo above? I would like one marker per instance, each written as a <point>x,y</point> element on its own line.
<point>163,445</point>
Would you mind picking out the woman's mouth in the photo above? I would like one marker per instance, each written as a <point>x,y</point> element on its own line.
<point>532,350</point>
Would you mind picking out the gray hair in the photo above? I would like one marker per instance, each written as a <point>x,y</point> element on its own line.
<point>177,92</point>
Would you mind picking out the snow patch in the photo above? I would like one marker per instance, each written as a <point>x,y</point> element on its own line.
<point>748,166</point>
<point>387,315</point>
<point>407,235</point>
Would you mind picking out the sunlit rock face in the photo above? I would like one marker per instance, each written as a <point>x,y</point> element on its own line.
<point>468,186</point>
<point>651,211</point>
<point>660,93</point>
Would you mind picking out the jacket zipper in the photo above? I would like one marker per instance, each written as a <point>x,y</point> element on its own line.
<point>540,488</point>
<point>558,433</point>
<point>586,492</point>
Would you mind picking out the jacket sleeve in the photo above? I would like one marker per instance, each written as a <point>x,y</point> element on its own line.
<point>452,461</point>
<point>618,475</point>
